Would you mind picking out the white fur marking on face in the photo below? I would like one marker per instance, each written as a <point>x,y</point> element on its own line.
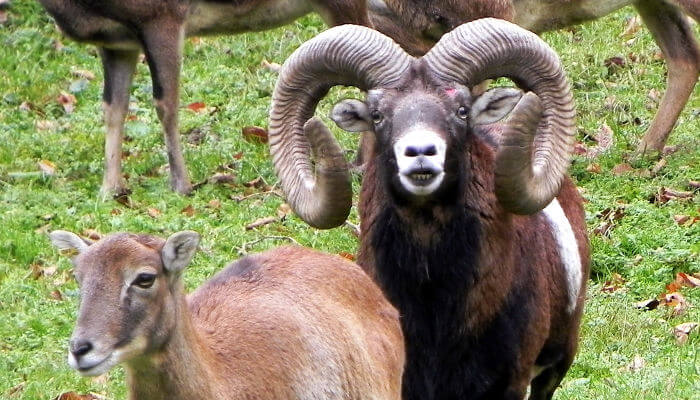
<point>568,249</point>
<point>420,138</point>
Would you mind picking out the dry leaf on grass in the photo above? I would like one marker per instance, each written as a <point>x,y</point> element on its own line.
<point>214,204</point>
<point>621,169</point>
<point>283,210</point>
<point>272,66</point>
<point>664,195</point>
<point>67,101</point>
<point>682,331</point>
<point>47,167</point>
<point>347,255</point>
<point>197,107</point>
<point>153,212</point>
<point>83,73</point>
<point>56,295</point>
<point>189,210</point>
<point>594,168</point>
<point>677,301</point>
<point>255,134</point>
<point>76,396</point>
<point>616,282</point>
<point>631,27</point>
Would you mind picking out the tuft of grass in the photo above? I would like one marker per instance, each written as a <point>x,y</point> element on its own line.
<point>645,246</point>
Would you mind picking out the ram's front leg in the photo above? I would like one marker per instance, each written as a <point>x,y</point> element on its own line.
<point>118,66</point>
<point>162,42</point>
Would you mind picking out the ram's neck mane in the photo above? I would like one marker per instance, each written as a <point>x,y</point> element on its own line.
<point>427,258</point>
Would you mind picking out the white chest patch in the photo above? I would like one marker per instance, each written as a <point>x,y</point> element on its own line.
<point>568,249</point>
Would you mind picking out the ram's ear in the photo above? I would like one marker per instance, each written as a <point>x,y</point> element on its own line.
<point>351,115</point>
<point>68,242</point>
<point>494,105</point>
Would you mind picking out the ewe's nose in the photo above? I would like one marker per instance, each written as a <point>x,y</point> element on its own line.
<point>426,149</point>
<point>80,347</point>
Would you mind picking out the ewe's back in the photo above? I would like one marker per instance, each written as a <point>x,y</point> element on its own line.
<point>305,317</point>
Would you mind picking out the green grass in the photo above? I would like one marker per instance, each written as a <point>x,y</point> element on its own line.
<point>646,246</point>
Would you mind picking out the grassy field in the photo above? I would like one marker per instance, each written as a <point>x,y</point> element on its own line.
<point>625,353</point>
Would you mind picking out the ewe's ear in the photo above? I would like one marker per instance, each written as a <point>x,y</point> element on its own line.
<point>178,250</point>
<point>351,115</point>
<point>68,242</point>
<point>494,105</point>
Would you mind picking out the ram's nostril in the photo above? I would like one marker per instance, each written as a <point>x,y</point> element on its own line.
<point>81,348</point>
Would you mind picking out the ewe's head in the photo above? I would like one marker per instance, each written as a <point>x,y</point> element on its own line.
<point>422,114</point>
<point>129,288</point>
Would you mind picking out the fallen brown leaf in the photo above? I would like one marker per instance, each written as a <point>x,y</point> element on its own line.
<point>621,169</point>
<point>47,167</point>
<point>197,107</point>
<point>67,101</point>
<point>56,295</point>
<point>214,203</point>
<point>664,195</point>
<point>677,301</point>
<point>682,331</point>
<point>76,396</point>
<point>631,27</point>
<point>616,282</point>
<point>153,212</point>
<point>189,211</point>
<point>594,168</point>
<point>283,210</point>
<point>687,280</point>
<point>347,255</point>
<point>222,178</point>
<point>255,134</point>
<point>272,66</point>
<point>83,73</point>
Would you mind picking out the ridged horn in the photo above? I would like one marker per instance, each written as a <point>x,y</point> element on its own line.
<point>321,194</point>
<point>534,152</point>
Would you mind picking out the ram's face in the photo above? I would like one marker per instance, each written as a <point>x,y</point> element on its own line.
<point>422,133</point>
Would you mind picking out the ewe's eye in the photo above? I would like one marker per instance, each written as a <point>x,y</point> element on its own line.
<point>144,280</point>
<point>462,112</point>
<point>376,116</point>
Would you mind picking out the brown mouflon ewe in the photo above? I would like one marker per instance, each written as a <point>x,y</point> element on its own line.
<point>666,20</point>
<point>289,323</point>
<point>471,228</point>
<point>123,29</point>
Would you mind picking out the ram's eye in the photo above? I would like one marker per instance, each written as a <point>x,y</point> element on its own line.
<point>462,112</point>
<point>144,280</point>
<point>376,116</point>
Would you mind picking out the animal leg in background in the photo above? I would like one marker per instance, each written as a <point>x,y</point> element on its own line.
<point>671,31</point>
<point>162,41</point>
<point>119,66</point>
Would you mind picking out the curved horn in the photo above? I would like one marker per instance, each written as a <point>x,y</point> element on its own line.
<point>344,55</point>
<point>534,153</point>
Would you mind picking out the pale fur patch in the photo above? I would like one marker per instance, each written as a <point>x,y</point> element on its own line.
<point>568,249</point>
